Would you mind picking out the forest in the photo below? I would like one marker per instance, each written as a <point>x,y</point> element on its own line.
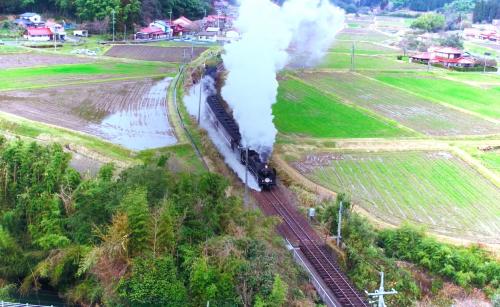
<point>140,237</point>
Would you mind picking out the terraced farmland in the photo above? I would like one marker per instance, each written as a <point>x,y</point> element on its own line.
<point>361,34</point>
<point>483,101</point>
<point>155,53</point>
<point>304,110</point>
<point>435,189</point>
<point>410,110</point>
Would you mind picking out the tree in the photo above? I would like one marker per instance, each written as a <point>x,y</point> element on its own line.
<point>279,292</point>
<point>430,22</point>
<point>454,41</point>
<point>135,205</point>
<point>153,282</point>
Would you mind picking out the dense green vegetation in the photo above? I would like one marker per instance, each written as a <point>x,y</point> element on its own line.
<point>364,259</point>
<point>467,267</point>
<point>144,237</point>
<point>480,100</point>
<point>302,109</point>
<point>428,188</point>
<point>486,10</point>
<point>430,22</point>
<point>127,12</point>
<point>32,77</point>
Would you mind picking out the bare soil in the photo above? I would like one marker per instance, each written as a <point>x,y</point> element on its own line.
<point>131,113</point>
<point>17,60</point>
<point>154,53</point>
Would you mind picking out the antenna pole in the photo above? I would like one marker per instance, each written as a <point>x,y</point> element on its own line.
<point>379,294</point>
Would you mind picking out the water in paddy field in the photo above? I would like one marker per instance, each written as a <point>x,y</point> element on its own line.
<point>142,125</point>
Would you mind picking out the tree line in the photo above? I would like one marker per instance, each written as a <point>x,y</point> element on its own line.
<point>127,12</point>
<point>141,237</point>
<point>486,10</point>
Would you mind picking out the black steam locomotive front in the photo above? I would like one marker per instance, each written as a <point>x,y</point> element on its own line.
<point>265,175</point>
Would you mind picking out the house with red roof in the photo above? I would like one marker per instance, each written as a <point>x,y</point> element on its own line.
<point>151,32</point>
<point>446,56</point>
<point>38,34</point>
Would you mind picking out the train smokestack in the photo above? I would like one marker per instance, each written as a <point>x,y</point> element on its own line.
<point>271,38</point>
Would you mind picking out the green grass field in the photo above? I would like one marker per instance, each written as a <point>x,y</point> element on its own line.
<point>482,101</point>
<point>334,60</point>
<point>410,110</point>
<point>362,48</point>
<point>489,159</point>
<point>304,110</point>
<point>361,35</point>
<point>435,189</point>
<point>33,77</point>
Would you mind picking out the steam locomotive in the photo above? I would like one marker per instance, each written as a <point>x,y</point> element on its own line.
<point>228,128</point>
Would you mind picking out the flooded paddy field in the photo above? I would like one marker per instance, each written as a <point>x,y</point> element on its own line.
<point>155,53</point>
<point>131,113</point>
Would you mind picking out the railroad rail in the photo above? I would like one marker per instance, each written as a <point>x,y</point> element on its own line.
<point>297,229</point>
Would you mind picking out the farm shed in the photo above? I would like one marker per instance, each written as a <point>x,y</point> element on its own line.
<point>206,36</point>
<point>38,34</point>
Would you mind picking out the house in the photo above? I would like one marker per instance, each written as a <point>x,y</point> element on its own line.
<point>206,36</point>
<point>446,56</point>
<point>150,32</point>
<point>182,21</point>
<point>30,20</point>
<point>163,25</point>
<point>33,17</point>
<point>81,33</point>
<point>57,29</point>
<point>38,34</point>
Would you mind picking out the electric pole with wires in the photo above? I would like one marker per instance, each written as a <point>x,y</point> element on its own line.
<point>378,295</point>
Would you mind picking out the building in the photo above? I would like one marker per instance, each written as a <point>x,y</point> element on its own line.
<point>38,34</point>
<point>182,21</point>
<point>33,17</point>
<point>163,25</point>
<point>206,36</point>
<point>29,20</point>
<point>150,32</point>
<point>446,56</point>
<point>57,29</point>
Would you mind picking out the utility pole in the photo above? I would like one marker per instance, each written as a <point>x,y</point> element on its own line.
<point>352,57</point>
<point>199,102</point>
<point>246,177</point>
<point>339,225</point>
<point>113,13</point>
<point>125,33</point>
<point>485,55</point>
<point>55,43</point>
<point>170,13</point>
<point>379,294</point>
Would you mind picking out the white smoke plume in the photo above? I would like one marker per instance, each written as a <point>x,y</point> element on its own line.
<point>192,103</point>
<point>272,37</point>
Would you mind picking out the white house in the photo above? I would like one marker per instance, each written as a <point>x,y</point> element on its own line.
<point>56,29</point>
<point>163,25</point>
<point>33,17</point>
<point>38,34</point>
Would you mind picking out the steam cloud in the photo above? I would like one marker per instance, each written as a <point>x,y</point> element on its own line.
<point>272,37</point>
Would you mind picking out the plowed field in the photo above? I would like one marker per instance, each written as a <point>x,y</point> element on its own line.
<point>153,53</point>
<point>434,189</point>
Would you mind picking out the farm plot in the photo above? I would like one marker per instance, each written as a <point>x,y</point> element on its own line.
<point>364,48</point>
<point>489,156</point>
<point>13,60</point>
<point>434,189</point>
<point>482,101</point>
<point>129,113</point>
<point>304,110</point>
<point>412,111</point>
<point>57,75</point>
<point>361,35</point>
<point>334,60</point>
<point>154,53</point>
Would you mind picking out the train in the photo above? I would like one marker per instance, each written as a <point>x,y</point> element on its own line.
<point>264,174</point>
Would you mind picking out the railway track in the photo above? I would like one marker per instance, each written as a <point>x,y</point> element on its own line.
<point>297,229</point>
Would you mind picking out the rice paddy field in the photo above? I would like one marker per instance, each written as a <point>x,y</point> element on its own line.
<point>410,110</point>
<point>484,101</point>
<point>342,61</point>
<point>304,110</point>
<point>55,75</point>
<point>434,189</point>
<point>363,48</point>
